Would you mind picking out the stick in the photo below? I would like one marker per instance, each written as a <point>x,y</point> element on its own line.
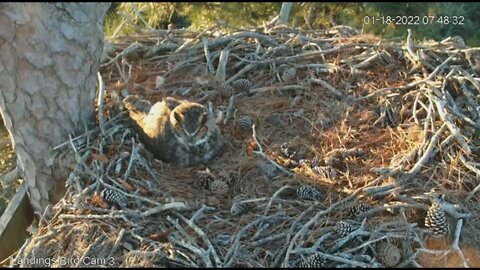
<point>427,154</point>
<point>261,153</point>
<point>409,46</point>
<point>410,85</point>
<point>269,239</point>
<point>276,88</point>
<point>230,109</point>
<point>274,195</point>
<point>330,88</point>
<point>208,57</point>
<point>241,72</point>
<point>117,243</point>
<point>358,232</point>
<point>456,239</point>
<point>440,104</point>
<point>200,211</point>
<point>324,212</point>
<point>232,251</point>
<point>179,206</point>
<point>222,66</point>
<point>204,238</point>
<point>202,254</point>
<point>131,48</point>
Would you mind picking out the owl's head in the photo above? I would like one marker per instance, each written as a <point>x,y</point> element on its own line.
<point>189,123</point>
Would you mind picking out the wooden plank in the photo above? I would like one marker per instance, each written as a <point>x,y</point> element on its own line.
<point>14,223</point>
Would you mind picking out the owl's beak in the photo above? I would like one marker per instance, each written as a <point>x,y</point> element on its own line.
<point>190,140</point>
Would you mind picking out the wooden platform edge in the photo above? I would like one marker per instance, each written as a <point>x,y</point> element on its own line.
<point>14,223</point>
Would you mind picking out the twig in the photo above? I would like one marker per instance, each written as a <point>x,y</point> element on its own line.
<point>330,88</point>
<point>276,88</point>
<point>204,237</point>
<point>202,254</point>
<point>208,57</point>
<point>358,232</point>
<point>427,154</point>
<point>230,109</point>
<point>179,206</point>
<point>232,251</point>
<point>273,196</point>
<point>456,239</point>
<point>100,100</point>
<point>367,61</point>
<point>222,65</point>
<point>79,167</point>
<point>241,72</point>
<point>138,15</point>
<point>440,104</point>
<point>409,46</point>
<point>131,48</point>
<point>199,212</point>
<point>410,85</point>
<point>117,243</point>
<point>269,239</point>
<point>261,153</point>
<point>324,212</point>
<point>88,133</point>
<point>111,215</point>
<point>346,261</point>
<point>133,157</point>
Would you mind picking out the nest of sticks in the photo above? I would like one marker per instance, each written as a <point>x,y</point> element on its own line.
<point>337,143</point>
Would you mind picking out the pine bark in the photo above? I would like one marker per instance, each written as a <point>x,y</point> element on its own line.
<point>49,57</point>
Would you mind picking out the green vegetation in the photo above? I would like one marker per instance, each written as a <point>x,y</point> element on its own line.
<point>135,16</point>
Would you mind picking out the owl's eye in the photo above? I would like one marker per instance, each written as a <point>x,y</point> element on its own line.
<point>202,132</point>
<point>178,127</point>
<point>203,119</point>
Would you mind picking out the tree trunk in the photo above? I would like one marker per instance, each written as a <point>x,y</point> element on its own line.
<point>49,57</point>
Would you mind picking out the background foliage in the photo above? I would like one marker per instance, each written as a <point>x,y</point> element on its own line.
<point>309,15</point>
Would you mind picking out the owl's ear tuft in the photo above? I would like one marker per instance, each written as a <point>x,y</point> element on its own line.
<point>177,116</point>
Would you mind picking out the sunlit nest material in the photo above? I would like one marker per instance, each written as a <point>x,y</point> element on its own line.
<point>392,120</point>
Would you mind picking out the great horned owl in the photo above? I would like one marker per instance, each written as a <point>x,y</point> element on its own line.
<point>175,131</point>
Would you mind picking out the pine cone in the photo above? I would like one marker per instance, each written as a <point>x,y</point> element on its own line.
<point>304,162</point>
<point>358,209</point>
<point>314,261</point>
<point>289,74</point>
<point>237,206</point>
<point>388,254</point>
<point>315,162</point>
<point>308,192</point>
<point>325,171</point>
<point>245,122</point>
<point>268,169</point>
<point>436,220</point>
<point>114,197</point>
<point>242,84</point>
<point>287,151</point>
<point>219,187</point>
<point>203,181</point>
<point>226,90</point>
<point>343,228</point>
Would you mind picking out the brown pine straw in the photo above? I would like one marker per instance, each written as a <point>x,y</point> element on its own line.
<point>411,108</point>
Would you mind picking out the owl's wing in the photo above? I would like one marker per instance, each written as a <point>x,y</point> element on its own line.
<point>156,110</point>
<point>171,103</point>
<point>136,107</point>
<point>135,103</point>
<point>156,117</point>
